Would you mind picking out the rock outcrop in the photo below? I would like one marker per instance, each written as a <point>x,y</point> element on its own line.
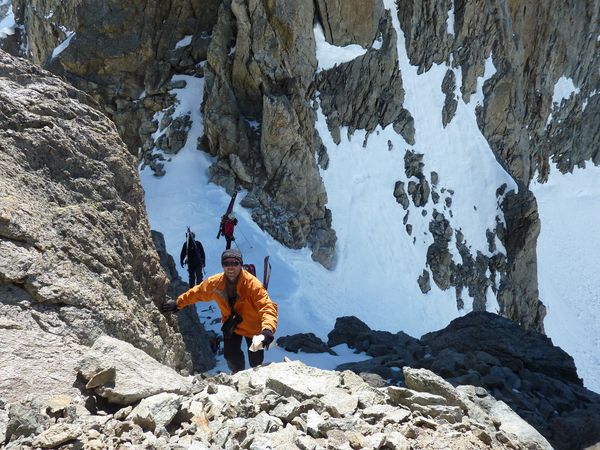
<point>350,21</point>
<point>261,61</point>
<point>260,65</point>
<point>281,406</point>
<point>115,50</point>
<point>76,257</point>
<point>197,340</point>
<point>495,357</point>
<point>534,50</point>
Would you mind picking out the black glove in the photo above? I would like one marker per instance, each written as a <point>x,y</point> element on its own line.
<point>169,306</point>
<point>268,334</point>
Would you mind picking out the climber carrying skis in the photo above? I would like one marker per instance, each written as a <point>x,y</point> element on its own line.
<point>228,223</point>
<point>192,254</point>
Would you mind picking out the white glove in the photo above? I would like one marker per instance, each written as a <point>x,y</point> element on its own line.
<point>257,343</point>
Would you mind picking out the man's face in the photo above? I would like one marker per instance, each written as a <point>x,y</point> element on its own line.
<point>232,269</point>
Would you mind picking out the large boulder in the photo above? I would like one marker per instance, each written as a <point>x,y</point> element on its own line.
<point>76,256</point>
<point>124,375</point>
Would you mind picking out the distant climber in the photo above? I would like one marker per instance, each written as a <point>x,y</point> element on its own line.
<point>247,310</point>
<point>228,223</point>
<point>192,254</point>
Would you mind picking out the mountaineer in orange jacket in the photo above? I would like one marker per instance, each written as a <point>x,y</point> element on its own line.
<point>246,309</point>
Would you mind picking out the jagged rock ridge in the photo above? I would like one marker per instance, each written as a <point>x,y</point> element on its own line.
<point>519,367</point>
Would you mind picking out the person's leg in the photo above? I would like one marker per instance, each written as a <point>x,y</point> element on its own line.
<point>255,358</point>
<point>198,274</point>
<point>191,282</point>
<point>228,246</point>
<point>232,351</point>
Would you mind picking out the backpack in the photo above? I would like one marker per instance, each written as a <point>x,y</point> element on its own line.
<point>249,268</point>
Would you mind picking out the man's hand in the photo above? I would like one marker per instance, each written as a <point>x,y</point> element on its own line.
<point>169,306</point>
<point>268,334</point>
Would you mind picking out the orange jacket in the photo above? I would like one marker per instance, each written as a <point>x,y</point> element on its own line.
<point>255,306</point>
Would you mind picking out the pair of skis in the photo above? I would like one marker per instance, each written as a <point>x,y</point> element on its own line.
<point>266,272</point>
<point>229,210</point>
<point>267,264</point>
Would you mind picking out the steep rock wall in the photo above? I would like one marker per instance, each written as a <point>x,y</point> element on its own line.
<point>76,256</point>
<point>260,65</point>
<point>116,50</point>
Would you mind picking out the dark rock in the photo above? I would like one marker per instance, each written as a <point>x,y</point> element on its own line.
<point>450,103</point>
<point>423,281</point>
<point>518,296</point>
<point>373,371</point>
<point>346,330</point>
<point>501,338</point>
<point>304,342</point>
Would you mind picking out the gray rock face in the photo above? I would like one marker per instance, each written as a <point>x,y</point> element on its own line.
<point>118,49</point>
<point>348,22</point>
<point>367,91</point>
<point>194,335</point>
<point>260,64</point>
<point>532,48</point>
<point>517,367</point>
<point>134,374</point>
<point>77,260</point>
<point>260,82</point>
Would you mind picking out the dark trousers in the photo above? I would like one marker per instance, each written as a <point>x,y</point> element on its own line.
<point>232,350</point>
<point>195,275</point>
<point>229,241</point>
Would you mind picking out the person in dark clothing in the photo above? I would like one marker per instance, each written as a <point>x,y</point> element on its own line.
<point>228,223</point>
<point>192,254</point>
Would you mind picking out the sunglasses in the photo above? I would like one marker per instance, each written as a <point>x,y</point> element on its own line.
<point>230,263</point>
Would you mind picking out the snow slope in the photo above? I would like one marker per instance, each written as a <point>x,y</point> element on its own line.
<point>568,270</point>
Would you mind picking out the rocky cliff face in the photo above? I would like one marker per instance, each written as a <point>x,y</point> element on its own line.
<point>532,48</point>
<point>77,260</point>
<point>115,51</point>
<point>261,91</point>
<point>260,67</point>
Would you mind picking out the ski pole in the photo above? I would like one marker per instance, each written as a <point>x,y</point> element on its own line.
<point>245,238</point>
